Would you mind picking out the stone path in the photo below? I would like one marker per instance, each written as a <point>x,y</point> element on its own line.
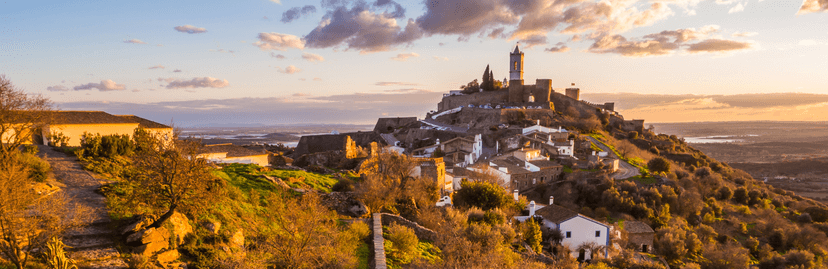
<point>91,245</point>
<point>379,242</point>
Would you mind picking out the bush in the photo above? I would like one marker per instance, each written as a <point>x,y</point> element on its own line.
<point>633,135</point>
<point>30,149</point>
<point>95,145</point>
<point>402,243</point>
<point>659,164</point>
<point>343,185</point>
<point>38,168</point>
<point>483,195</point>
<point>724,193</point>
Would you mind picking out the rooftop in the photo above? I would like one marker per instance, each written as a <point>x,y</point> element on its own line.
<point>144,123</point>
<point>637,227</point>
<point>87,117</point>
<point>556,213</point>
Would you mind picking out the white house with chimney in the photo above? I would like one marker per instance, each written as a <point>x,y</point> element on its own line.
<point>575,228</point>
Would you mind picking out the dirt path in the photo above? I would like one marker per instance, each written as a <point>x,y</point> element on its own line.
<point>92,245</point>
<point>625,170</point>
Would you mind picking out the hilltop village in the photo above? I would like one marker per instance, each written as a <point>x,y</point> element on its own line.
<point>502,174</point>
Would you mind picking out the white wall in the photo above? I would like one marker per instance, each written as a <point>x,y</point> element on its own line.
<point>583,230</point>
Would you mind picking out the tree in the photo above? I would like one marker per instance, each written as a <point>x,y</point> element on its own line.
<point>532,235</point>
<point>387,174</point>
<point>471,87</point>
<point>20,115</point>
<point>171,175</point>
<point>659,164</point>
<point>29,220</point>
<point>402,243</point>
<point>484,195</point>
<point>306,234</point>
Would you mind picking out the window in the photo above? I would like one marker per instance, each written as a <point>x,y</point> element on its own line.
<point>534,181</point>
<point>568,234</point>
<point>515,65</point>
<point>597,233</point>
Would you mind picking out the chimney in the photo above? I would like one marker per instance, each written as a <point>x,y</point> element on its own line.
<point>538,122</point>
<point>560,129</point>
<point>531,208</point>
<point>437,141</point>
<point>516,195</point>
<point>551,200</point>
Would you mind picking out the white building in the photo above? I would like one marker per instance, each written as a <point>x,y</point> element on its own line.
<point>575,228</point>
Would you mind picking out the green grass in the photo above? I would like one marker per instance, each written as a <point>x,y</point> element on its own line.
<point>428,252</point>
<point>567,169</point>
<point>363,254</point>
<point>246,177</point>
<point>644,180</point>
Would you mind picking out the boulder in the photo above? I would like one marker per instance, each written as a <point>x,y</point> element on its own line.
<point>168,256</point>
<point>179,226</point>
<point>212,226</point>
<point>151,235</point>
<point>151,248</point>
<point>142,222</point>
<point>237,240</point>
<point>345,203</point>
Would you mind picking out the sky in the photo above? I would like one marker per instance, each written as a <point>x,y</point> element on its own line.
<point>249,62</point>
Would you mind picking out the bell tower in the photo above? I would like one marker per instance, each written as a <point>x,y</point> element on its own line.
<point>516,65</point>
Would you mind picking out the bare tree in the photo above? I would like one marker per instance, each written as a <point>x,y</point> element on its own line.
<point>20,115</point>
<point>171,175</point>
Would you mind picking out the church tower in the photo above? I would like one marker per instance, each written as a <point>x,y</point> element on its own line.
<point>516,65</point>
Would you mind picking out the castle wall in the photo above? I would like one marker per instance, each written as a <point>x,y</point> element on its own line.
<point>476,99</point>
<point>542,90</point>
<point>562,102</point>
<point>387,125</point>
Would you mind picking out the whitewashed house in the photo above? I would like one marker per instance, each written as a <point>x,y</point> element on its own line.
<point>575,228</point>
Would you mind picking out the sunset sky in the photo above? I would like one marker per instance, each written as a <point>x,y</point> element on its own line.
<point>338,61</point>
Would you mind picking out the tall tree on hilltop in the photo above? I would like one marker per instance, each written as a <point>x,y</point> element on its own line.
<point>486,84</point>
<point>492,82</point>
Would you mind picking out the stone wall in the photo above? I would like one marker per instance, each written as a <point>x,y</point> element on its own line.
<point>524,181</point>
<point>642,239</point>
<point>387,125</point>
<point>422,233</point>
<point>476,99</point>
<point>332,142</point>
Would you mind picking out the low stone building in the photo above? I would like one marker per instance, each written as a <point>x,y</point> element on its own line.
<point>346,142</point>
<point>229,153</point>
<point>640,235</point>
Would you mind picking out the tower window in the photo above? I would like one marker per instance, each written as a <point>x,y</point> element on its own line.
<point>515,65</point>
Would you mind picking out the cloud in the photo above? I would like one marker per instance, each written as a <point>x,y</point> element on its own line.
<point>560,47</point>
<point>310,57</point>
<point>738,8</point>
<point>358,108</point>
<point>277,56</point>
<point>300,94</point>
<point>533,40</point>
<point>104,86</point>
<point>362,29</point>
<point>465,17</point>
<point>290,69</point>
<point>190,29</point>
<point>57,88</point>
<point>718,45</point>
<point>297,12</point>
<point>813,6</point>
<point>177,71</point>
<point>157,67</point>
<point>276,1</point>
<point>744,34</point>
<point>277,41</point>
<point>402,57</point>
<point>317,79</point>
<point>438,58</point>
<point>395,83</point>
<point>204,82</point>
<point>135,41</point>
<point>741,107</point>
<point>667,42</point>
<point>136,90</point>
<point>403,90</point>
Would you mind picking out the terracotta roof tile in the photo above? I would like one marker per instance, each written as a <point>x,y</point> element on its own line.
<point>637,227</point>
<point>143,123</point>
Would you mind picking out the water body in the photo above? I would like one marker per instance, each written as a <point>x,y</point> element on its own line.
<point>716,139</point>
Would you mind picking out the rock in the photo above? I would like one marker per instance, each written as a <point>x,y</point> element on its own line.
<point>151,235</point>
<point>168,256</point>
<point>345,204</point>
<point>180,226</point>
<point>142,222</point>
<point>151,248</point>
<point>359,209</point>
<point>212,226</point>
<point>237,240</point>
<point>276,181</point>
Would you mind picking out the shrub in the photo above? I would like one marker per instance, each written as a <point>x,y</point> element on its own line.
<point>402,243</point>
<point>30,149</point>
<point>532,235</point>
<point>741,196</point>
<point>724,193</point>
<point>633,135</point>
<point>38,168</point>
<point>343,185</point>
<point>95,145</point>
<point>659,164</point>
<point>481,194</point>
